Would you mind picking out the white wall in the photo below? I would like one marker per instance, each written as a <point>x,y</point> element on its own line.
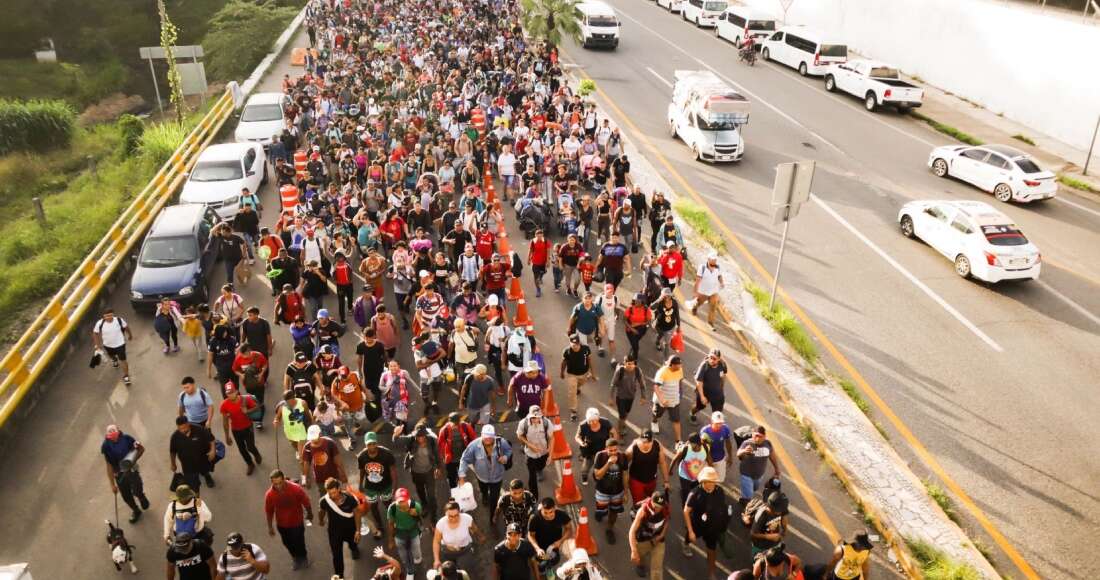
<point>1038,69</point>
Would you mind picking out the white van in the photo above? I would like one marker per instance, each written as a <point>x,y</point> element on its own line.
<point>703,13</point>
<point>806,50</point>
<point>738,23</point>
<point>673,6</point>
<point>599,25</point>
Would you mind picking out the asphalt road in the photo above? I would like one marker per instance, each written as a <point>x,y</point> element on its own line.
<point>56,500</point>
<point>998,382</point>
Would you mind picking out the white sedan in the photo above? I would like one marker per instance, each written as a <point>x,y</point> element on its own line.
<point>1008,173</point>
<point>221,173</point>
<point>981,241</point>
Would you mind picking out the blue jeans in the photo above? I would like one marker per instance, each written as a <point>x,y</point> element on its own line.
<point>750,485</point>
<point>408,551</point>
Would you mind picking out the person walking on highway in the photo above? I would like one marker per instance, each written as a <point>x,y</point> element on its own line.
<point>230,248</point>
<point>647,464</point>
<point>187,514</point>
<point>489,457</point>
<point>109,335</point>
<point>710,380</point>
<point>340,510</point>
<point>754,454</point>
<point>689,461</point>
<point>195,403</point>
<point>453,539</point>
<point>528,388</point>
<point>223,347</point>
<point>708,283</point>
<point>121,453</point>
<point>769,523</point>
<point>547,530</point>
<point>237,425</point>
<point>851,559</point>
<point>191,453</point>
<point>516,506</point>
<point>614,258</point>
<point>538,256</point>
<point>405,516</point>
<point>586,320</point>
<point>192,559</point>
<point>636,319</point>
<point>612,478</point>
<point>576,368</point>
<point>626,384</point>
<point>592,437</point>
<point>514,557</point>
<point>422,461</point>
<point>320,458</point>
<point>377,476</point>
<point>453,438</point>
<point>608,302</point>
<point>666,394</point>
<point>284,503</point>
<point>647,536</point>
<point>535,432</point>
<point>666,318</point>
<point>706,515</point>
<point>478,393</point>
<point>293,414</point>
<point>717,437</point>
<point>166,321</point>
<point>242,560</point>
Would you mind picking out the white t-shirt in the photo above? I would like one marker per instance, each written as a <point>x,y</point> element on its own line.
<point>111,333</point>
<point>709,284</point>
<point>506,164</point>
<point>459,536</point>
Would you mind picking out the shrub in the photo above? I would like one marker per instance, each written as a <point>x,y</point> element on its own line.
<point>240,35</point>
<point>783,322</point>
<point>35,125</point>
<point>699,220</point>
<point>160,141</point>
<point>132,129</point>
<point>587,87</point>
<point>936,565</point>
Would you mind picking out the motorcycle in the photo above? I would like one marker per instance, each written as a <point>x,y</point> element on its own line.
<point>747,54</point>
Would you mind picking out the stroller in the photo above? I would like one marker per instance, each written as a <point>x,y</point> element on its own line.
<point>533,216</point>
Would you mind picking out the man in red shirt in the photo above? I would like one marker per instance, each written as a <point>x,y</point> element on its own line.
<point>283,503</point>
<point>251,366</point>
<point>324,455</point>
<point>234,410</point>
<point>494,277</point>
<point>672,265</point>
<point>538,255</point>
<point>485,243</point>
<point>342,276</point>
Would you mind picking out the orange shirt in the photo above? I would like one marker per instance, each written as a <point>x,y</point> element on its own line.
<point>349,390</point>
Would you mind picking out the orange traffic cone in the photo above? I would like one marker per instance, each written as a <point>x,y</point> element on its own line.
<point>300,164</point>
<point>568,492</point>
<point>584,538</point>
<point>559,448</point>
<point>503,247</point>
<point>289,196</point>
<point>515,292</point>
<point>521,318</point>
<point>551,409</point>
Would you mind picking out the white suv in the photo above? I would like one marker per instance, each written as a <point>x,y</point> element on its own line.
<point>981,241</point>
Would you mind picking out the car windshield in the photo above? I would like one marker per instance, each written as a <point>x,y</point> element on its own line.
<point>834,50</point>
<point>762,25</point>
<point>1027,165</point>
<point>257,113</point>
<point>602,21</point>
<point>168,252</point>
<point>1004,235</point>
<point>715,6</point>
<point>884,72</point>
<point>716,125</point>
<point>217,171</point>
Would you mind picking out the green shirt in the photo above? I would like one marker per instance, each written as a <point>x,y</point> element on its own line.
<point>407,526</point>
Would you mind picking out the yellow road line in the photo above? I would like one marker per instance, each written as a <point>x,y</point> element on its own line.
<point>1071,270</point>
<point>918,447</point>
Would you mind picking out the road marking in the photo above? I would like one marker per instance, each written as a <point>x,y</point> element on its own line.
<point>933,464</point>
<point>1069,302</point>
<point>1077,205</point>
<point>659,77</point>
<point>908,275</point>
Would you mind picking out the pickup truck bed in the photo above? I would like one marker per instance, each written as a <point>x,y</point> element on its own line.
<point>896,83</point>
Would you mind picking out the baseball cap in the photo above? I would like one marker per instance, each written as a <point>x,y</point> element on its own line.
<point>183,540</point>
<point>488,431</point>
<point>301,357</point>
<point>322,313</point>
<point>717,417</point>
<point>708,474</point>
<point>531,367</point>
<point>647,435</point>
<point>574,339</point>
<point>235,540</point>
<point>514,528</point>
<point>370,437</point>
<point>230,387</point>
<point>591,414</point>
<point>313,433</point>
<point>534,411</point>
<point>402,494</point>
<point>669,244</point>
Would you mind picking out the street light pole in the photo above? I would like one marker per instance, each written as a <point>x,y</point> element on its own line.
<point>1091,144</point>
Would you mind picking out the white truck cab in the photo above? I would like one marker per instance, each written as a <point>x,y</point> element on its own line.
<point>708,115</point>
<point>599,25</point>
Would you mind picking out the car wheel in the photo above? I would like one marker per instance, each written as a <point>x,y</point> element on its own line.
<point>962,266</point>
<point>870,102</point>
<point>939,168</point>
<point>672,129</point>
<point>698,155</point>
<point>764,53</point>
<point>263,178</point>
<point>737,42</point>
<point>802,70</point>
<point>830,83</point>
<point>203,295</point>
<point>907,227</point>
<point>1002,192</point>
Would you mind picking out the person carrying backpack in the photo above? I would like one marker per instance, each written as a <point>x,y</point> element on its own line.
<point>242,560</point>
<point>109,335</point>
<point>187,514</point>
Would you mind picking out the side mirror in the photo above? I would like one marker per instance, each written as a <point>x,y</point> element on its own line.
<point>250,173</point>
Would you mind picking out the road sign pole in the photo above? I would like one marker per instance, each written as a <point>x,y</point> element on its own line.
<point>156,87</point>
<point>791,189</point>
<point>779,264</point>
<point>1091,143</point>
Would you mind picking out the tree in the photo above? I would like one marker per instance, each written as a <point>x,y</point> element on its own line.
<point>552,20</point>
<point>168,36</point>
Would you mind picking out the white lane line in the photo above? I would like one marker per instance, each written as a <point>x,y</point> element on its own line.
<point>659,77</point>
<point>1077,205</point>
<point>1069,302</point>
<point>908,275</point>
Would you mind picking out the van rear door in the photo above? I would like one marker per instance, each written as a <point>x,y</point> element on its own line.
<point>831,53</point>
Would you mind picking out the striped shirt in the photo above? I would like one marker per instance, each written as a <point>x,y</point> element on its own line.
<point>235,568</point>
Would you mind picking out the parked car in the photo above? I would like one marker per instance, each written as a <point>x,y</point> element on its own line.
<point>174,260</point>
<point>803,49</point>
<point>878,84</point>
<point>703,13</point>
<point>221,172</point>
<point>599,25</point>
<point>739,22</point>
<point>673,6</point>
<point>1006,172</point>
<point>981,241</point>
<point>262,117</point>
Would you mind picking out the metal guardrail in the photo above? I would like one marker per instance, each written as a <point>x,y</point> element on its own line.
<point>32,354</point>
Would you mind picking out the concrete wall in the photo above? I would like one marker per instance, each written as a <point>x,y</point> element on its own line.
<point>1042,70</point>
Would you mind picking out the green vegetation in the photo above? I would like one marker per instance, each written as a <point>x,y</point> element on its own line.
<point>551,20</point>
<point>808,435</point>
<point>37,125</point>
<point>586,87</point>
<point>948,130</point>
<point>854,394</point>
<point>941,498</point>
<point>936,565</point>
<point>160,141</point>
<point>79,85</point>
<point>699,220</point>
<point>1023,138</point>
<point>241,34</point>
<point>1076,183</point>
<point>784,323</point>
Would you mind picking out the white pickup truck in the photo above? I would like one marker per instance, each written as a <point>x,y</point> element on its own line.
<point>878,84</point>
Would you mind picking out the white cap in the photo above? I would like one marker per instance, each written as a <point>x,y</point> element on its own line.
<point>717,417</point>
<point>488,432</point>
<point>591,413</point>
<point>313,433</point>
<point>492,300</point>
<point>579,556</point>
<point>531,366</point>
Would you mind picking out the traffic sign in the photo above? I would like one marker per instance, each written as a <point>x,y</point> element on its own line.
<point>792,188</point>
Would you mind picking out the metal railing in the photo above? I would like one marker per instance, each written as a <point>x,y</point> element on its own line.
<point>32,354</point>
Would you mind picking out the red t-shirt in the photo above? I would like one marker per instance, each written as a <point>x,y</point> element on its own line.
<point>495,278</point>
<point>484,245</point>
<point>341,273</point>
<point>254,358</point>
<point>672,265</point>
<point>238,420</point>
<point>588,271</point>
<point>286,506</point>
<point>540,252</point>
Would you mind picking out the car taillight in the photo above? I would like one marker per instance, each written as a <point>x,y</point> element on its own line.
<point>888,93</point>
<point>991,259</point>
<point>817,59</point>
<point>1031,183</point>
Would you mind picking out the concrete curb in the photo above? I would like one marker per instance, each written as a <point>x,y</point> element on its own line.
<point>871,470</point>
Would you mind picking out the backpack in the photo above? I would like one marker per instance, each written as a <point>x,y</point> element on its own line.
<point>517,265</point>
<point>362,312</point>
<point>202,393</point>
<point>498,451</point>
<point>758,501</point>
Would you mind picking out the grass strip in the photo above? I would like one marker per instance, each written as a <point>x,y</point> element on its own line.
<point>948,129</point>
<point>941,498</point>
<point>1023,138</point>
<point>935,564</point>
<point>783,322</point>
<point>1076,183</point>
<point>699,220</point>
<point>854,394</point>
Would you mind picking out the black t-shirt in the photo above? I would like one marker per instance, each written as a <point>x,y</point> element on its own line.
<point>223,351</point>
<point>514,564</point>
<point>192,565</point>
<point>612,482</point>
<point>347,504</point>
<point>329,333</point>
<point>314,284</point>
<point>374,362</point>
<point>229,248</point>
<point>299,374</point>
<point>765,522</point>
<point>596,440</point>
<point>577,362</point>
<point>376,470</point>
<point>546,531</point>
<point>256,333</point>
<point>191,449</point>
<point>712,504</point>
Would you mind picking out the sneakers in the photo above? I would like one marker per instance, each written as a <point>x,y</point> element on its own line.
<point>259,460</point>
<point>538,292</point>
<point>573,416</point>
<point>164,349</point>
<point>259,425</point>
<point>601,353</point>
<point>135,516</point>
<point>250,469</point>
<point>693,418</point>
<point>209,480</point>
<point>364,529</point>
<point>557,289</point>
<point>584,479</point>
<point>653,426</point>
<point>176,348</point>
<point>687,550</point>
<point>144,501</point>
<point>614,361</point>
<point>126,380</point>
